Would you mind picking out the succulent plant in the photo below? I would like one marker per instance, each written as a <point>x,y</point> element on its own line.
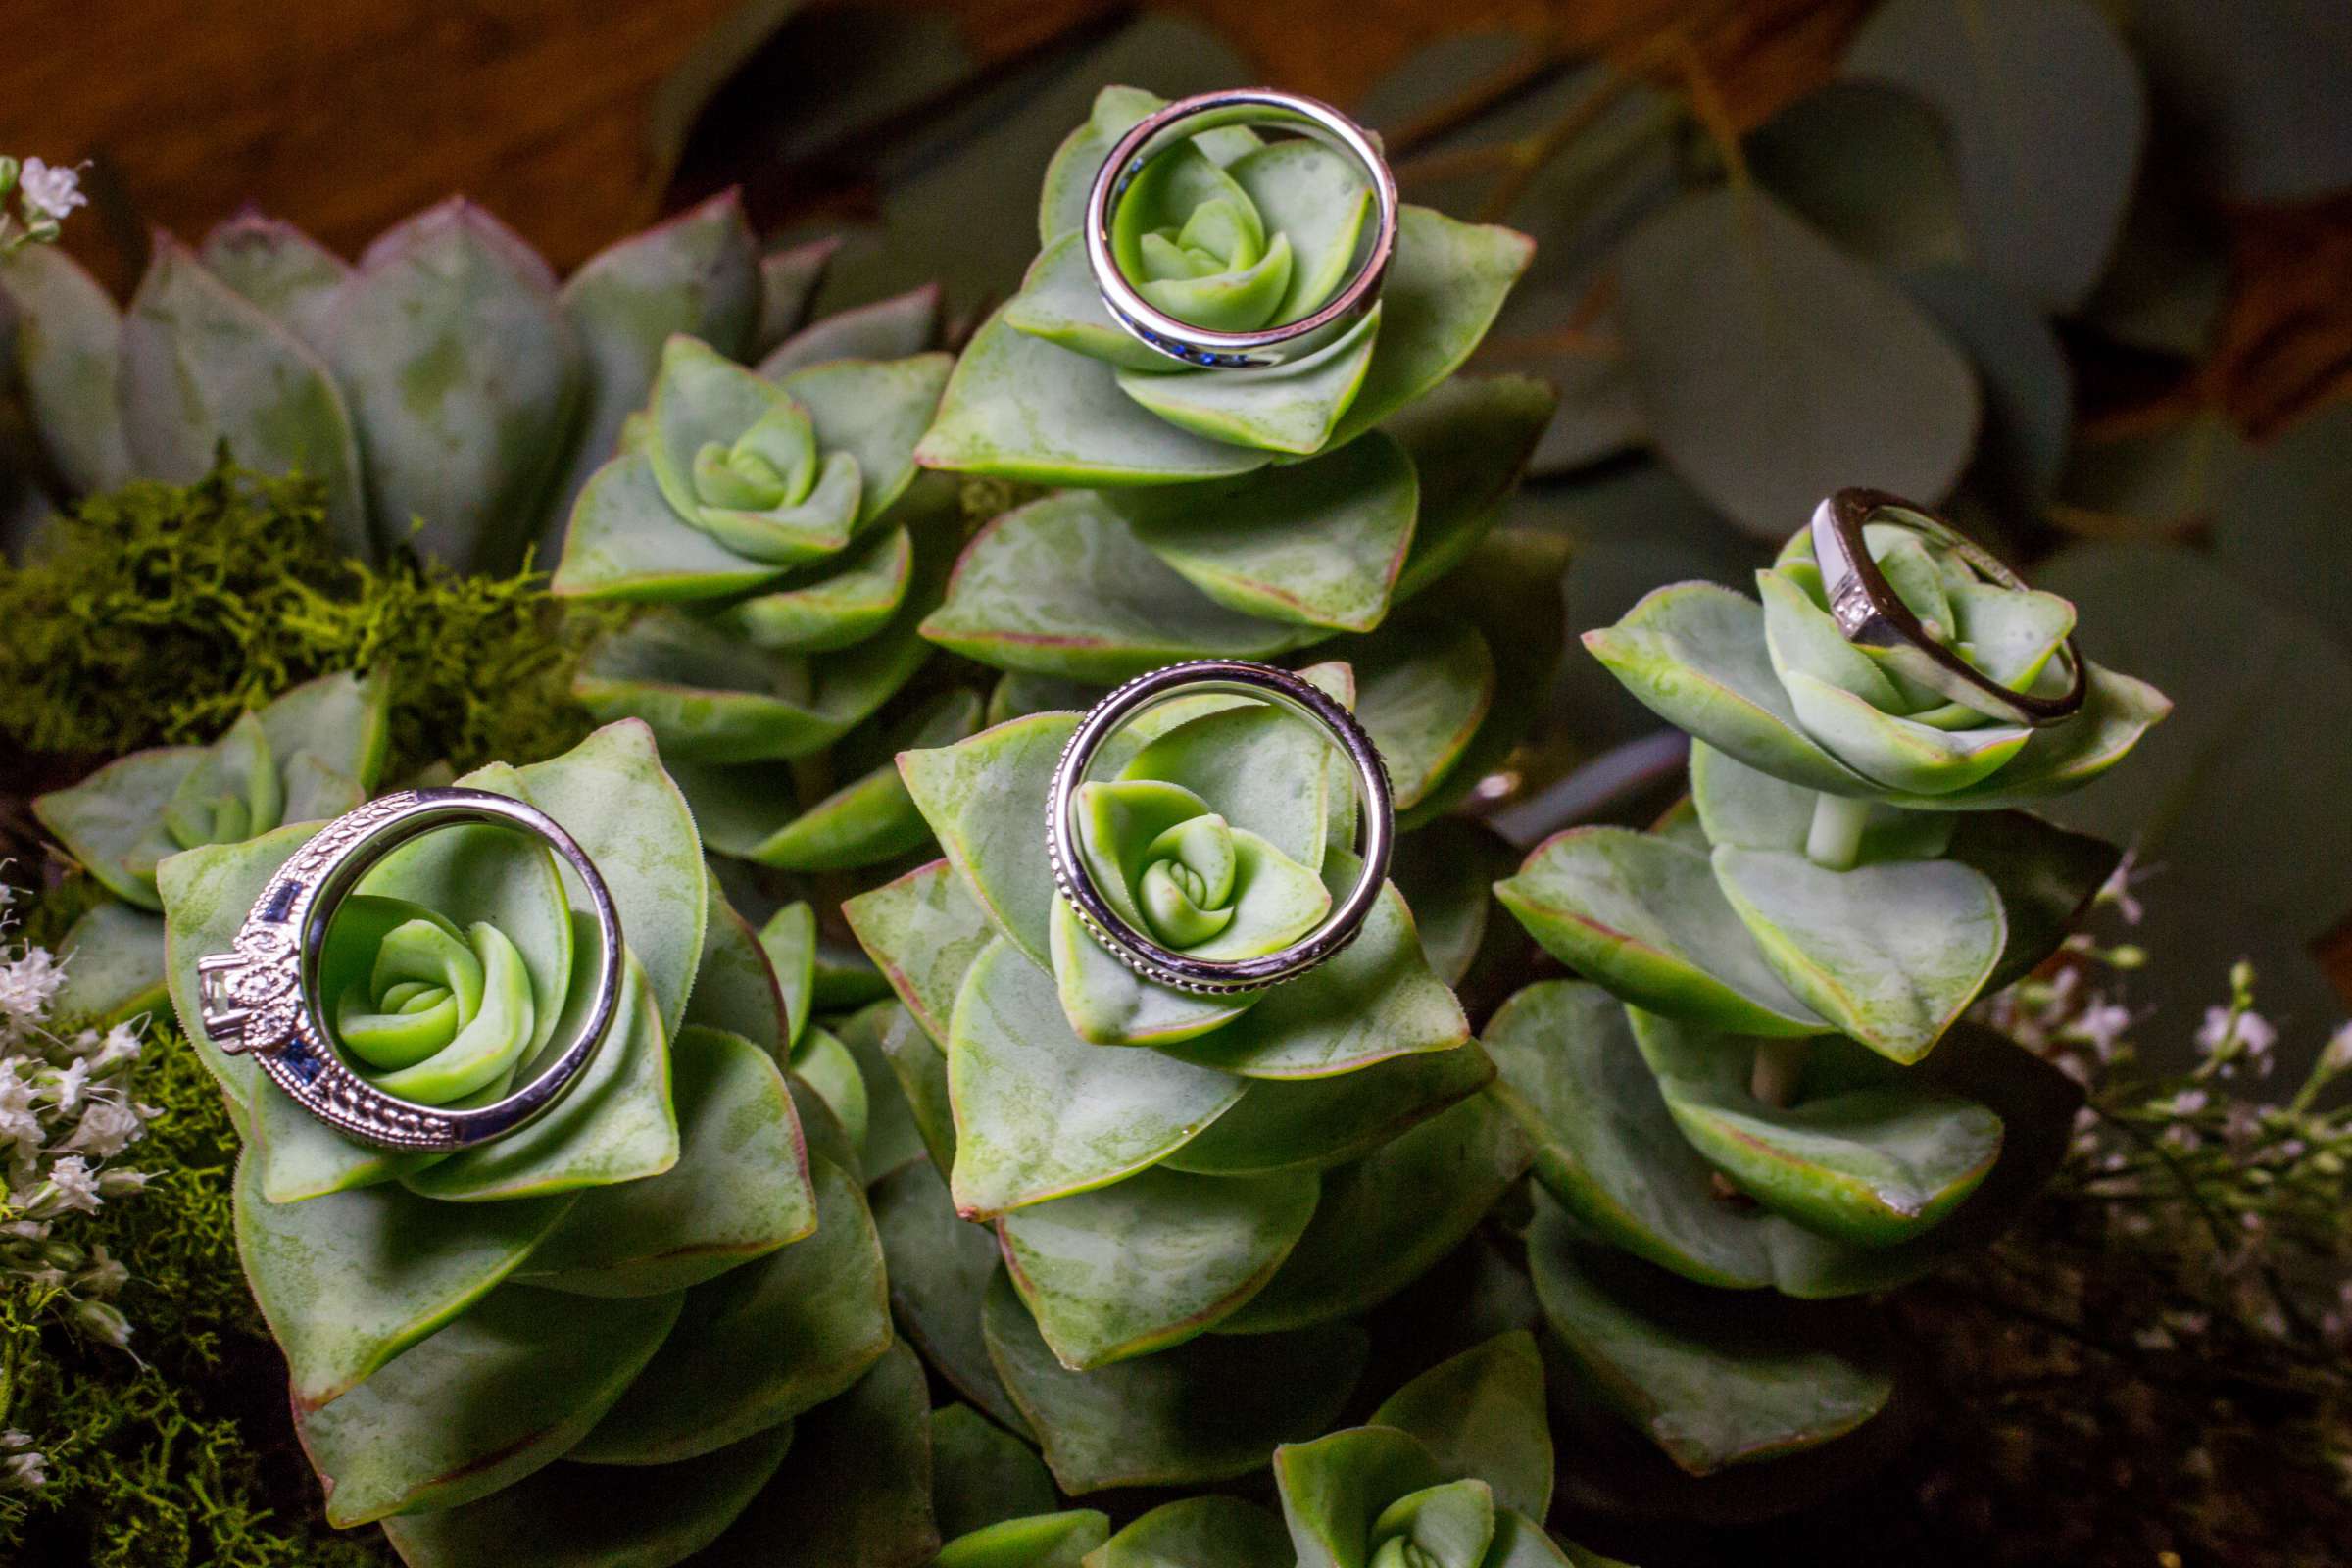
<point>791,550</point>
<point>664,1271</point>
<point>450,394</point>
<point>1187,1191</point>
<point>1454,1470</point>
<point>1741,1090</point>
<point>312,754</point>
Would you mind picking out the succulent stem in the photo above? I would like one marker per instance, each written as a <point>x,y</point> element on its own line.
<point>1836,836</point>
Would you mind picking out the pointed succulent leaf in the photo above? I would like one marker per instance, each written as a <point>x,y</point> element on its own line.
<point>1316,543</point>
<point>1644,916</point>
<point>925,930</point>
<point>1712,1379</point>
<point>894,1130</point>
<point>1207,1410</point>
<point>741,1186</point>
<point>1867,1156</point>
<point>1447,871</point>
<point>1042,1541</point>
<point>826,1065</point>
<point>1315,1123</point>
<point>696,273</point>
<point>207,891</point>
<point>858,1493</point>
<point>788,281</point>
<point>113,822</point>
<point>1041,1113</point>
<point>1060,302</point>
<point>1890,954</point>
<point>1470,439</point>
<point>498,1394</point>
<point>2046,877</point>
<point>982,1475</point>
<point>867,822</point>
<point>67,350</point>
<point>894,328</point>
<point>1739,805</point>
<point>1021,408</point>
<point>1606,1145</point>
<point>202,366</point>
<point>296,280</point>
<point>736,989</point>
<point>761,1344</point>
<point>1447,1526</point>
<point>458,436</point>
<point>1064,587</point>
<point>874,410</point>
<point>940,1269</point>
<point>1482,1414</point>
<point>1335,1489</point>
<point>1443,290</point>
<point>2117,711</point>
<point>832,604</point>
<point>395,1268</point>
<point>572,1516</point>
<point>1291,409</point>
<point>1423,694</point>
<point>624,541</point>
<point>1695,655</point>
<point>1206,1532</point>
<point>1385,1219</point>
<point>1151,1261</point>
<point>115,965</point>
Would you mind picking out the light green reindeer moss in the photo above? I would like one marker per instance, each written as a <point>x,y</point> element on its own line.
<point>158,612</point>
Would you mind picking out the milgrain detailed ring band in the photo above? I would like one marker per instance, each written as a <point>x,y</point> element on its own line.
<point>1210,677</point>
<point>1188,117</point>
<point>261,1000</point>
<point>1871,615</point>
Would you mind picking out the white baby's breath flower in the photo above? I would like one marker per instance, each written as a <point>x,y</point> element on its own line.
<point>76,1183</point>
<point>26,983</point>
<point>2100,1025</point>
<point>50,191</point>
<point>2337,1056</point>
<point>26,1472</point>
<point>106,1128</point>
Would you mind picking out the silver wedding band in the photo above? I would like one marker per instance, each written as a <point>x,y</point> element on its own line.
<point>1209,677</point>
<point>1871,615</point>
<point>1187,118</point>
<point>263,999</point>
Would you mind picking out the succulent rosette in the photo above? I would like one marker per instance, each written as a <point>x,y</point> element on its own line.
<point>1231,231</point>
<point>597,1335</point>
<point>311,754</point>
<point>1454,1470</point>
<point>1192,1199</point>
<point>774,519</point>
<point>1778,687</point>
<point>447,390</point>
<point>1763,1082</point>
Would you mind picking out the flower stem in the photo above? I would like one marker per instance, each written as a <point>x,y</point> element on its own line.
<point>1836,836</point>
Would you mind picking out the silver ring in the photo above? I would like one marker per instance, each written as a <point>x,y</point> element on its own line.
<point>1188,117</point>
<point>261,1000</point>
<point>1871,615</point>
<point>1209,676</point>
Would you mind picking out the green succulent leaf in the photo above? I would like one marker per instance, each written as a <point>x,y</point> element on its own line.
<point>1470,439</point>
<point>761,1344</point>
<point>1039,1113</point>
<point>1482,1414</point>
<point>1315,544</point>
<point>1711,1379</point>
<point>290,275</point>
<point>498,1394</point>
<point>982,1474</point>
<point>1291,409</point>
<point>1890,954</point>
<point>68,354</point>
<point>1385,1219</point>
<point>572,1516</point>
<point>940,1269</point>
<point>200,365</point>
<point>788,281</point>
<point>1335,1489</point>
<point>1644,915</point>
<point>858,1493</point>
<point>1151,1261</point>
<point>924,930</point>
<point>737,991</point>
<point>893,328</point>
<point>1315,1123</point>
<point>1048,1541</point>
<point>1447,871</point>
<point>1209,1531</point>
<point>1064,586</point>
<point>1740,807</point>
<point>458,440</point>
<point>394,1266</point>
<point>741,1186</point>
<point>1867,1156</point>
<point>1205,1411</point>
<point>893,1131</point>
<point>699,273</point>
<point>115,965</point>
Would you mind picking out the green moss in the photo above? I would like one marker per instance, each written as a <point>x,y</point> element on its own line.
<point>184,1455</point>
<point>159,613</point>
